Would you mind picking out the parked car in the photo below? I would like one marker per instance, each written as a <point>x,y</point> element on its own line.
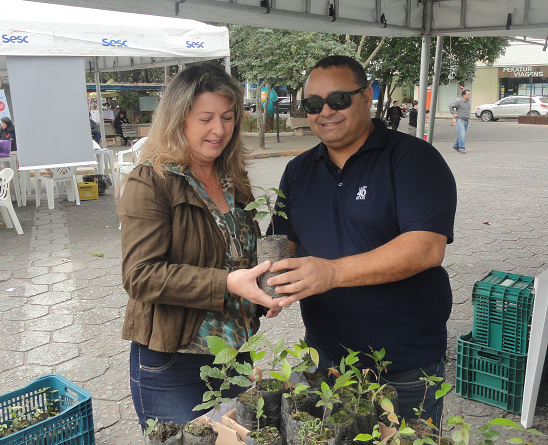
<point>513,107</point>
<point>250,105</point>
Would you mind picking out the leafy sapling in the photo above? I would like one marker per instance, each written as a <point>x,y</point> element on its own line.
<point>268,199</point>
<point>226,357</point>
<point>152,425</point>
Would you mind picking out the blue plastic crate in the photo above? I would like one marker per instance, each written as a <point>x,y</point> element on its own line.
<point>489,375</point>
<point>503,305</point>
<point>73,426</point>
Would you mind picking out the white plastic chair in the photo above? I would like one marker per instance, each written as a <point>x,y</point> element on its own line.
<point>57,176</point>
<point>6,207</point>
<point>125,167</point>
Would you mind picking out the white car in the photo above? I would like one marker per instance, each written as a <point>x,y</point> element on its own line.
<point>513,107</point>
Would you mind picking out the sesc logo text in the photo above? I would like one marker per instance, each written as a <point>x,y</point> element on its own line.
<point>108,42</point>
<point>14,39</point>
<point>195,44</point>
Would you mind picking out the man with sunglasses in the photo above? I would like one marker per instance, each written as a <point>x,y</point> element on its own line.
<point>370,212</point>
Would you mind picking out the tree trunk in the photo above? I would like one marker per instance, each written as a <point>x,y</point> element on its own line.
<point>262,118</point>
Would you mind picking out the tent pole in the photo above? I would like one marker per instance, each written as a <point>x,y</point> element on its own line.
<point>100,105</point>
<point>423,85</point>
<point>435,89</point>
<point>425,59</point>
<point>227,64</point>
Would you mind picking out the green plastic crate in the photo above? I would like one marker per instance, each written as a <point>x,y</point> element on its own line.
<point>73,426</point>
<point>490,376</point>
<point>503,305</point>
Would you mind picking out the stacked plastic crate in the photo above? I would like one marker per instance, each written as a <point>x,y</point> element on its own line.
<point>491,359</point>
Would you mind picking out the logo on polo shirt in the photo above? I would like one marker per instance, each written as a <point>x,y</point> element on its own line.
<point>361,193</point>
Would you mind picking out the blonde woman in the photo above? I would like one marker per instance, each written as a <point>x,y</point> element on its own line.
<point>188,247</point>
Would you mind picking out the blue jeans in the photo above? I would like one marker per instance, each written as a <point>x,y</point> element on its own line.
<point>168,385</point>
<point>462,128</point>
<point>97,136</point>
<point>407,383</point>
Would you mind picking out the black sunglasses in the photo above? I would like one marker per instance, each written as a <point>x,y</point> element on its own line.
<point>335,101</point>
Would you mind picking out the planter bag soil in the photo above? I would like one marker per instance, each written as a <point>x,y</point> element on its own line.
<point>250,440</point>
<point>289,427</point>
<point>246,416</point>
<point>333,441</point>
<point>314,379</point>
<point>273,248</point>
<point>191,439</point>
<point>346,432</point>
<point>173,440</point>
<point>366,422</point>
<point>272,407</point>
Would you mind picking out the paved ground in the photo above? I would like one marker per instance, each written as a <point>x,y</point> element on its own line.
<point>62,302</point>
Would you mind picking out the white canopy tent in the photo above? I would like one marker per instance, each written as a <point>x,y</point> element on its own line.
<point>106,41</point>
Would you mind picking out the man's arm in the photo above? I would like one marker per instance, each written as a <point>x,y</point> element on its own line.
<point>453,108</point>
<point>403,257</point>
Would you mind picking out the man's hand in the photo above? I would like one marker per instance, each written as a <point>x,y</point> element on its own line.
<point>243,283</point>
<point>455,115</point>
<point>307,276</point>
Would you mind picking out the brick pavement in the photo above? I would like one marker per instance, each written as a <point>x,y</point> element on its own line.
<point>65,316</point>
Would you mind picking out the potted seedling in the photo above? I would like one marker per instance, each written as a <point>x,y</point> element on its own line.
<point>268,435</point>
<point>270,247</point>
<point>159,433</point>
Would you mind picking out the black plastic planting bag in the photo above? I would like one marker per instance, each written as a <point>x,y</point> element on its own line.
<point>245,416</point>
<point>289,426</point>
<point>103,182</point>
<point>272,407</point>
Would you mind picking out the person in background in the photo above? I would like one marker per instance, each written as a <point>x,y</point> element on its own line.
<point>395,114</point>
<point>7,132</point>
<point>189,262</point>
<point>460,109</point>
<point>118,121</point>
<point>370,212</point>
<point>413,114</point>
<point>95,131</point>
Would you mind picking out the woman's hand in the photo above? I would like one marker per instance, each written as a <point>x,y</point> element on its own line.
<point>243,283</point>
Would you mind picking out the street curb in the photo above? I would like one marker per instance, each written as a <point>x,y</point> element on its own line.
<point>275,154</point>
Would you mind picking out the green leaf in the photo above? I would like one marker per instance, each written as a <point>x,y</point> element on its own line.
<point>202,406</point>
<point>429,441</point>
<point>505,422</point>
<point>278,376</point>
<point>279,346</point>
<point>207,395</point>
<point>240,380</point>
<point>210,371</point>
<point>254,342</point>
<point>251,206</point>
<point>286,368</point>
<point>515,440</point>
<point>282,214</point>
<point>260,215</point>
<point>363,437</point>
<point>256,356</point>
<point>278,192</point>
<point>216,344</point>
<point>243,368</point>
<point>225,356</point>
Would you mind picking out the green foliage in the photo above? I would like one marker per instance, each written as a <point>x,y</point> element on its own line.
<point>268,199</point>
<point>226,357</point>
<point>152,426</point>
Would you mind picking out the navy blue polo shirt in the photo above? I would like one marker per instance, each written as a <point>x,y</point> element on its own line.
<point>395,183</point>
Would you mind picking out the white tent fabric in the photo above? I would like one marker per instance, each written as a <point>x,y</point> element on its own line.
<point>120,41</point>
<point>397,18</point>
<point>48,36</point>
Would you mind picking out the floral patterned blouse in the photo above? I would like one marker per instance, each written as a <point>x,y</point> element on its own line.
<point>238,321</point>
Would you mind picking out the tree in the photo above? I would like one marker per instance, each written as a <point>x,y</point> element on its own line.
<point>397,62</point>
<point>274,57</point>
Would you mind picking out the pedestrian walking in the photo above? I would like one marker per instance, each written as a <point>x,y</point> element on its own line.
<point>413,114</point>
<point>460,109</point>
<point>395,114</point>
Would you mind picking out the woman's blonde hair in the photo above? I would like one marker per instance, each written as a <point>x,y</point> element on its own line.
<point>166,141</point>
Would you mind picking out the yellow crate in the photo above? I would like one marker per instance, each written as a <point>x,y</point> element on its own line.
<point>88,190</point>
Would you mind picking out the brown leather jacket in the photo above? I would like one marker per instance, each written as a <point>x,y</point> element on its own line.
<point>173,255</point>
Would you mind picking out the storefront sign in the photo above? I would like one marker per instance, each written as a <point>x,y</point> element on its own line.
<point>523,71</point>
